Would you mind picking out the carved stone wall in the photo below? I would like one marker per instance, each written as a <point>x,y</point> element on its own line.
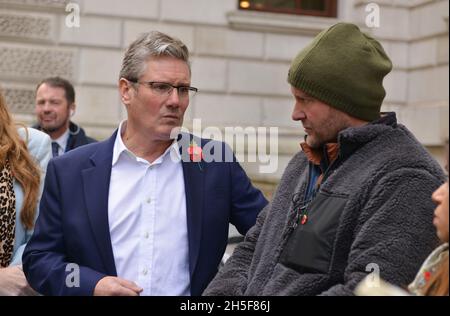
<point>19,100</point>
<point>25,26</point>
<point>28,30</point>
<point>31,64</point>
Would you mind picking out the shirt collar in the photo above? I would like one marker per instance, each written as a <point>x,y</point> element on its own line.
<point>120,148</point>
<point>315,155</point>
<point>62,140</point>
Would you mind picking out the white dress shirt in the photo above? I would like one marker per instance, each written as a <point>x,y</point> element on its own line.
<point>147,220</point>
<point>62,142</point>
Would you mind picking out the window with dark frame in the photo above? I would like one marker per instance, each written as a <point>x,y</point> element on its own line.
<point>325,8</point>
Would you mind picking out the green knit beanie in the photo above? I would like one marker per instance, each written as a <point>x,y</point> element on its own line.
<point>343,68</point>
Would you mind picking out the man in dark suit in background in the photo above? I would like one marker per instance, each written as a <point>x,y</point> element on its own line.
<point>55,104</point>
<point>140,213</point>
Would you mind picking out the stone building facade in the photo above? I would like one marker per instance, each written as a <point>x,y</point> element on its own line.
<point>239,60</point>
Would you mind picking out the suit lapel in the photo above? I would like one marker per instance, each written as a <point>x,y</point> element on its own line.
<point>96,190</point>
<point>194,174</point>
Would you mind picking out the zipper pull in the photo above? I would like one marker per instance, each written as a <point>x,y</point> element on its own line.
<point>296,220</point>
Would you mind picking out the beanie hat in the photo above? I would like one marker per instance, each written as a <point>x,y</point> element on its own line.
<point>343,68</point>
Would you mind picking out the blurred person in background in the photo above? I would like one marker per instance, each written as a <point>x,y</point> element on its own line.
<point>24,154</point>
<point>55,105</point>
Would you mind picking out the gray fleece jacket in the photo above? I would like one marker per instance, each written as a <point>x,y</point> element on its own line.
<point>373,212</point>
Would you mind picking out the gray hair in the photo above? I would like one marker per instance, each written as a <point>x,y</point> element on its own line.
<point>151,44</point>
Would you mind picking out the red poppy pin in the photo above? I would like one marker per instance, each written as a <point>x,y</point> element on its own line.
<point>427,275</point>
<point>195,152</point>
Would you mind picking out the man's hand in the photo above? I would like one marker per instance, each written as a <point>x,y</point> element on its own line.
<point>112,286</point>
<point>14,283</point>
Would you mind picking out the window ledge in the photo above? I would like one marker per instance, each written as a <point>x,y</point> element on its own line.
<point>278,22</point>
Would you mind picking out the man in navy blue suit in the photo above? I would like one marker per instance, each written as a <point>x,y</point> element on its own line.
<point>141,213</point>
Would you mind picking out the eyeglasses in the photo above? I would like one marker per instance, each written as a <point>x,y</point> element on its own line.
<point>164,89</point>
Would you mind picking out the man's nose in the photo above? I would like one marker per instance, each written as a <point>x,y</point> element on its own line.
<point>298,114</point>
<point>46,107</point>
<point>174,98</point>
<point>438,194</point>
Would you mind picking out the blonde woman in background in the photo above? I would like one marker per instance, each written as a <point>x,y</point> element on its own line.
<point>24,154</point>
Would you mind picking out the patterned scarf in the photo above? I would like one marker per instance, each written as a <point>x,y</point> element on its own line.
<point>7,215</point>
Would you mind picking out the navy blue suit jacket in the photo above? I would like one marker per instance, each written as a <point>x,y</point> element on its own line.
<point>72,226</point>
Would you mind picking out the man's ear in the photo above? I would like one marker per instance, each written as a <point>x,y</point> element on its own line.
<point>72,108</point>
<point>126,91</point>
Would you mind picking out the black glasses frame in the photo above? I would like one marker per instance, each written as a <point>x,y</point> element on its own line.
<point>151,83</point>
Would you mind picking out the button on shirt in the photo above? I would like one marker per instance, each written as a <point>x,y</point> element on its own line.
<point>147,220</point>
